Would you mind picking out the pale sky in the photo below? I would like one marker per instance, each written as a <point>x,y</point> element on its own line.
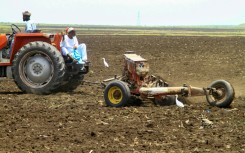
<point>126,12</point>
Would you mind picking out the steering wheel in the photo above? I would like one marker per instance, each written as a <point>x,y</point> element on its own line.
<point>15,28</point>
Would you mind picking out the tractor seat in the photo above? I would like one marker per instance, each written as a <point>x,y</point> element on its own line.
<point>36,31</point>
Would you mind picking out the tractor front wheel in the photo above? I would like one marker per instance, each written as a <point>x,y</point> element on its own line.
<point>223,94</point>
<point>116,94</point>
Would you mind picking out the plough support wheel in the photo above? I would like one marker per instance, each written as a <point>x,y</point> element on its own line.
<point>116,94</point>
<point>222,93</point>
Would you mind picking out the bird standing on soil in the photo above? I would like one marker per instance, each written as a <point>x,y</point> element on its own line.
<point>105,63</point>
<point>178,103</point>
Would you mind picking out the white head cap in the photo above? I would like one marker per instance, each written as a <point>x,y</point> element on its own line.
<point>70,29</point>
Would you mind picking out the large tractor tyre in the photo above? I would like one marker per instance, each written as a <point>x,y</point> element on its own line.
<point>224,94</point>
<point>71,83</point>
<point>116,94</point>
<point>38,68</point>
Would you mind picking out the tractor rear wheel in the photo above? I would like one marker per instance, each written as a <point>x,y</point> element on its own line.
<point>116,94</point>
<point>38,68</point>
<point>224,94</point>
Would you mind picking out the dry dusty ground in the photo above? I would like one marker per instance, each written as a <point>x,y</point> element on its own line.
<point>79,122</point>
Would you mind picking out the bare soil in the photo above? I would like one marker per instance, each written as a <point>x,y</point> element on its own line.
<point>80,122</point>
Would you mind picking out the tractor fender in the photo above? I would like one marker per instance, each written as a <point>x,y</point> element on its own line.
<point>3,41</point>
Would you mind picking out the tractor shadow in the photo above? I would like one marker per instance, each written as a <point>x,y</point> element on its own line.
<point>134,102</point>
<point>12,93</point>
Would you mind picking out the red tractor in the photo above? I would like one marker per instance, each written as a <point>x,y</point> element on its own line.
<point>135,81</point>
<point>36,64</point>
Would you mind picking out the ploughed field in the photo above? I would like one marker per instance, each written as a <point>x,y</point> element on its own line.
<point>80,122</point>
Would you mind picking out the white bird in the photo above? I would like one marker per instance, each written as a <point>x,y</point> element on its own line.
<point>178,103</point>
<point>105,63</point>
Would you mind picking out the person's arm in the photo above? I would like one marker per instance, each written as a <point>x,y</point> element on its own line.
<point>65,52</point>
<point>62,42</point>
<point>63,45</point>
<point>75,42</point>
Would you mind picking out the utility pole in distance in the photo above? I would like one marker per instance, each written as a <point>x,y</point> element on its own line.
<point>138,18</point>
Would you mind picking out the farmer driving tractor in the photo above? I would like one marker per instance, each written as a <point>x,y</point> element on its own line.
<point>30,27</point>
